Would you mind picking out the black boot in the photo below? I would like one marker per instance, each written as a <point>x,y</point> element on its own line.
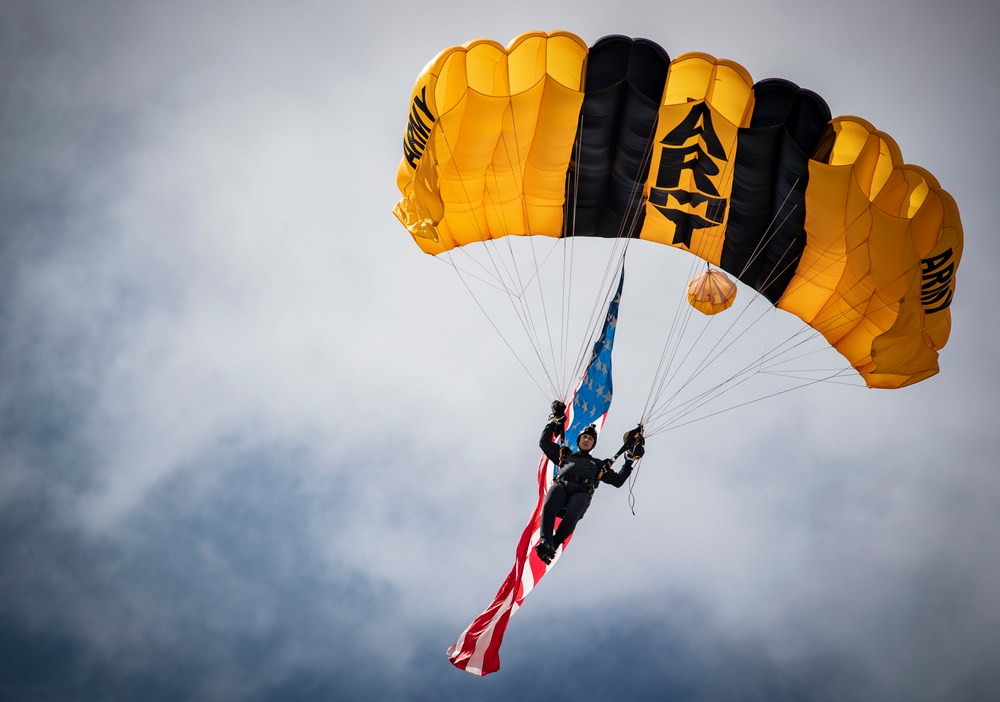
<point>545,551</point>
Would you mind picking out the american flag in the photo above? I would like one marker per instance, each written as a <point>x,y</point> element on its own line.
<point>477,650</point>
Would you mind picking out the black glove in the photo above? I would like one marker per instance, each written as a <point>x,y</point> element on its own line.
<point>558,410</point>
<point>637,451</point>
<point>632,437</point>
<point>606,465</point>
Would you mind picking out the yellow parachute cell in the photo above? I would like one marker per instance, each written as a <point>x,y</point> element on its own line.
<point>705,103</point>
<point>489,140</point>
<point>878,270</point>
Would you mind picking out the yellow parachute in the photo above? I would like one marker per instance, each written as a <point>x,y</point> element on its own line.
<point>711,292</point>
<point>821,216</point>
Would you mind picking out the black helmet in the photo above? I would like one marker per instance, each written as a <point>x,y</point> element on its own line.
<point>590,431</point>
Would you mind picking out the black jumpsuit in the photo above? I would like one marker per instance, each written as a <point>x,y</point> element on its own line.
<point>578,476</point>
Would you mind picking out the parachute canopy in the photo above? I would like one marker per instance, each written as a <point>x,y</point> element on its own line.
<point>820,215</point>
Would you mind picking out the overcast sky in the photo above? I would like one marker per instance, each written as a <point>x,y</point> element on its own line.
<point>254,445</point>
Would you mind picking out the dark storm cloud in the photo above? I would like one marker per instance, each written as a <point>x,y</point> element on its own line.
<point>215,588</point>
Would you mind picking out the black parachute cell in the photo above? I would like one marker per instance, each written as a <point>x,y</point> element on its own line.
<point>766,232</point>
<point>624,85</point>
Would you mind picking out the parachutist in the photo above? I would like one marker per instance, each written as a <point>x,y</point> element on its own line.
<point>578,477</point>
